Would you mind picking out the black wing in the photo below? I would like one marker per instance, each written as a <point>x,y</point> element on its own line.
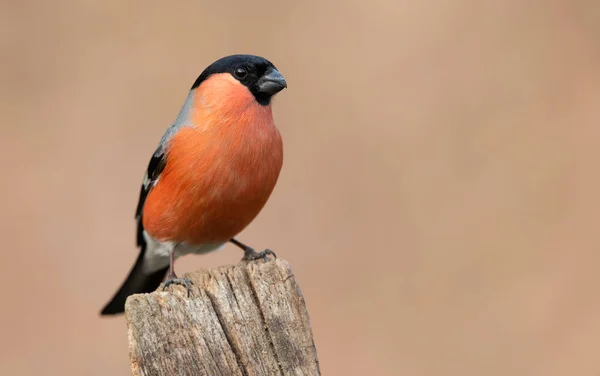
<point>137,281</point>
<point>155,167</point>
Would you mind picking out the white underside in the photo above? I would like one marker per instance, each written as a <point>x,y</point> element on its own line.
<point>157,252</point>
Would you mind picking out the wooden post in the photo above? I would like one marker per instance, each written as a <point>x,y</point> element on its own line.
<point>247,319</point>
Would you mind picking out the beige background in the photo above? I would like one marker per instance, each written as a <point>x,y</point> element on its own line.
<point>439,197</point>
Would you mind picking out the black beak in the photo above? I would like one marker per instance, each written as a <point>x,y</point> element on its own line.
<point>272,82</point>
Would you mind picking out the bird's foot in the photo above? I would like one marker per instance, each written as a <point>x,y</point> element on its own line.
<point>250,254</point>
<point>174,280</point>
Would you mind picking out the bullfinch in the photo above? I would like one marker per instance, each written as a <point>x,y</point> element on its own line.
<point>211,174</point>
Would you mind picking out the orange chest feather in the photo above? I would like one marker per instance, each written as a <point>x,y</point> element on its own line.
<point>218,175</point>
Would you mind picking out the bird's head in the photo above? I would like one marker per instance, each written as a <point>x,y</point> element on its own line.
<point>236,75</point>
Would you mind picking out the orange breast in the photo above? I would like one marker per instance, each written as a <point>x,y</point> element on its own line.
<point>219,173</point>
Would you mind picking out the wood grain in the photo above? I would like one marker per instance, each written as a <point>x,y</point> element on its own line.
<point>244,319</point>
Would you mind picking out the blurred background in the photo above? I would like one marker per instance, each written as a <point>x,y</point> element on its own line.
<point>439,197</point>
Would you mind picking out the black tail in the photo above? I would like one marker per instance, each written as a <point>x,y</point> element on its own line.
<point>137,282</point>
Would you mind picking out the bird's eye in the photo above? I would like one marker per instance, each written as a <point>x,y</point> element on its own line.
<point>240,72</point>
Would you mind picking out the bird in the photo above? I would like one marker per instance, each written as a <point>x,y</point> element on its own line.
<point>213,171</point>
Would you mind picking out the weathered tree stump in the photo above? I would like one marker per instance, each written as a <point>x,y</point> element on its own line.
<point>247,319</point>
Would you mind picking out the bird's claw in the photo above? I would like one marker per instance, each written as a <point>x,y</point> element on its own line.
<point>179,281</point>
<point>250,254</point>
